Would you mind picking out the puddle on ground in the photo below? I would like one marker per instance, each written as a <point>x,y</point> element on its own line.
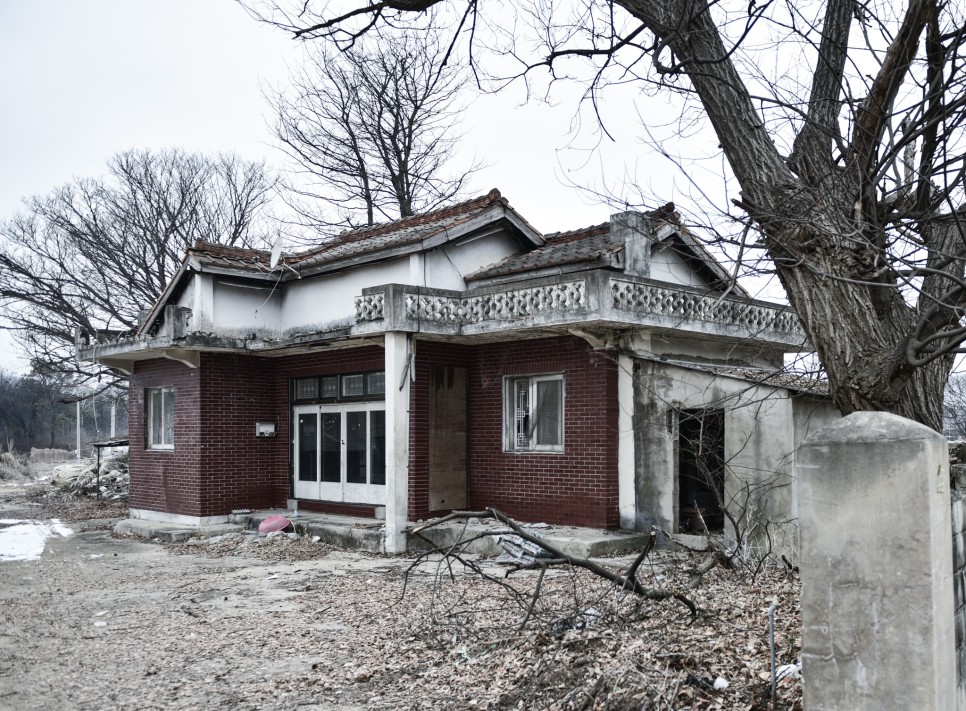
<point>25,540</point>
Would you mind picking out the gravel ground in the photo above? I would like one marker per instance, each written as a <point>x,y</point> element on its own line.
<point>248,622</point>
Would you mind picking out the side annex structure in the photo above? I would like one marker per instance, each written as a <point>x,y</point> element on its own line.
<point>611,376</point>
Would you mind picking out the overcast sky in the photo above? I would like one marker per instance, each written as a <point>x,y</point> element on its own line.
<point>82,80</point>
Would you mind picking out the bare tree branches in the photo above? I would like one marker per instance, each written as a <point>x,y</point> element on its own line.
<point>92,253</point>
<point>371,131</point>
<point>849,154</point>
<point>626,581</point>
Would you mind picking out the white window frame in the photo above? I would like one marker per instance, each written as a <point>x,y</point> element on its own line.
<point>149,395</point>
<point>512,413</point>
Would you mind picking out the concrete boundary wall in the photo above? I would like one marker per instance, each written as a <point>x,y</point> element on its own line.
<point>878,626</point>
<point>959,580</point>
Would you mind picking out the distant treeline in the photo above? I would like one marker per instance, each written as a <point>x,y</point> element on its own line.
<point>41,411</point>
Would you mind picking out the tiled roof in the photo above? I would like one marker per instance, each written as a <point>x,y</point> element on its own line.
<point>588,245</point>
<point>591,246</point>
<point>361,241</point>
<point>209,254</point>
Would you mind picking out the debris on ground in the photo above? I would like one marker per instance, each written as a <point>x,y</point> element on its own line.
<point>275,522</point>
<point>14,468</point>
<point>248,543</point>
<point>81,478</point>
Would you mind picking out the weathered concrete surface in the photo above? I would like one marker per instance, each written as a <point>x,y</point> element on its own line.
<point>876,561</point>
<point>366,534</point>
<point>170,532</point>
<point>958,512</point>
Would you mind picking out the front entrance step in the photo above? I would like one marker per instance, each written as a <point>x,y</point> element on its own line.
<point>363,534</point>
<point>171,532</point>
<point>367,534</point>
<point>570,540</point>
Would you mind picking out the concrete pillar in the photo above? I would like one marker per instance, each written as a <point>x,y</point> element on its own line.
<point>626,465</point>
<point>634,229</point>
<point>877,591</point>
<point>398,376</point>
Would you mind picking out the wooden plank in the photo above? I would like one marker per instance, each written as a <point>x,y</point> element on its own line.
<point>447,438</point>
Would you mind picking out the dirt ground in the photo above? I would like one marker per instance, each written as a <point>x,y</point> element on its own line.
<point>249,622</point>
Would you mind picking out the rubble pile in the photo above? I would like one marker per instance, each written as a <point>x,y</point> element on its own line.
<point>13,468</point>
<point>81,478</point>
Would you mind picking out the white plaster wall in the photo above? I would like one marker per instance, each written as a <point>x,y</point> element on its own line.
<point>241,309</point>
<point>329,299</point>
<point>188,295</point>
<point>667,265</point>
<point>760,433</point>
<point>469,256</point>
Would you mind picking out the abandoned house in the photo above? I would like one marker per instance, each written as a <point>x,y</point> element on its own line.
<point>612,376</point>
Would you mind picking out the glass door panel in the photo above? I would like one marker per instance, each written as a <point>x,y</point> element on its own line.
<point>332,446</point>
<point>355,445</point>
<point>308,447</point>
<point>306,452</point>
<point>377,447</point>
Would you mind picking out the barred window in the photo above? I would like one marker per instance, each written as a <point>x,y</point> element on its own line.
<point>534,413</point>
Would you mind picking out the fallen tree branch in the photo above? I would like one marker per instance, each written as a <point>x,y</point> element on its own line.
<point>625,581</point>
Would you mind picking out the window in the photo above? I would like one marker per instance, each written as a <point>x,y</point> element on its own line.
<point>160,409</point>
<point>344,387</point>
<point>534,413</point>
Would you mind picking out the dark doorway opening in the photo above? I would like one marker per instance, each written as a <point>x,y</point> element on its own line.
<point>700,471</point>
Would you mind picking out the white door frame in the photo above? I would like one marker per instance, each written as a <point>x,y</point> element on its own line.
<point>341,491</point>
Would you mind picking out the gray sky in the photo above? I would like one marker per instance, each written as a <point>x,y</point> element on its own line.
<point>84,79</point>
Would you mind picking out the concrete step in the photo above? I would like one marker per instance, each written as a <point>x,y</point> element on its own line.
<point>171,532</point>
<point>366,534</point>
<point>342,531</point>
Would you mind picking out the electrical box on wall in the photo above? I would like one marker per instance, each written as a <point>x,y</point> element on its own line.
<point>264,429</point>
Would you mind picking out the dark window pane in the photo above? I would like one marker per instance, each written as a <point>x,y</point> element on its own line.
<point>377,447</point>
<point>355,447</point>
<point>353,385</point>
<point>168,407</point>
<point>377,383</point>
<point>306,389</point>
<point>521,414</point>
<point>330,386</point>
<point>308,447</point>
<point>331,446</point>
<point>549,412</point>
<point>155,417</point>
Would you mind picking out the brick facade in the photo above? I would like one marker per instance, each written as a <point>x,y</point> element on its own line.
<point>577,486</point>
<point>166,480</point>
<point>219,465</point>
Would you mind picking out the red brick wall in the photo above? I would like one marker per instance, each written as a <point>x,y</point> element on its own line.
<point>576,487</point>
<point>238,469</point>
<point>218,464</point>
<point>166,480</point>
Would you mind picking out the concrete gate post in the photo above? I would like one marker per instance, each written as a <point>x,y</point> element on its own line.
<point>876,562</point>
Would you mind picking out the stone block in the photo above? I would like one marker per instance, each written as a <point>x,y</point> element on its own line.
<point>877,573</point>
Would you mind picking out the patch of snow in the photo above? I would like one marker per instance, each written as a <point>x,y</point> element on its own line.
<point>25,540</point>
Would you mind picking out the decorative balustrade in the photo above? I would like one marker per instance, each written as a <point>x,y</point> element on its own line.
<point>689,306</point>
<point>369,307</point>
<point>571,301</point>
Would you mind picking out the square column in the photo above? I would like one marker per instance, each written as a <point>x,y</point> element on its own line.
<point>399,371</point>
<point>626,465</point>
